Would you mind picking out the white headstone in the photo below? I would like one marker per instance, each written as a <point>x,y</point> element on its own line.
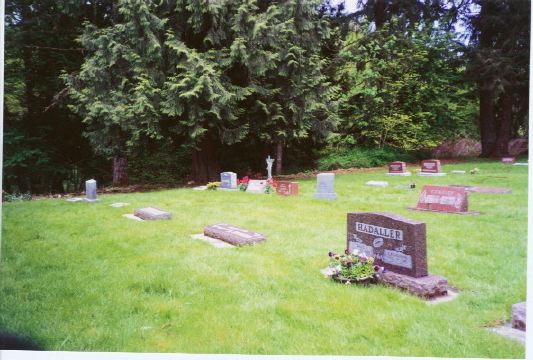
<point>228,180</point>
<point>90,190</point>
<point>256,186</point>
<point>325,186</point>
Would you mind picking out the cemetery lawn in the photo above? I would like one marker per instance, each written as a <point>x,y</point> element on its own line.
<point>80,277</point>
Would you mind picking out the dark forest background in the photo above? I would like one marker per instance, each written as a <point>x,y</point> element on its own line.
<point>171,91</point>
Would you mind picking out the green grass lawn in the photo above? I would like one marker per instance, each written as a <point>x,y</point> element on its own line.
<point>79,276</point>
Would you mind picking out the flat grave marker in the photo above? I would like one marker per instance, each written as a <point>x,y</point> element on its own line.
<point>484,189</point>
<point>287,188</point>
<point>152,213</point>
<point>377,183</point>
<point>233,235</point>
<point>508,159</point>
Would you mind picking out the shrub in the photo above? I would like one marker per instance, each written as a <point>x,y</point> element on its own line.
<point>362,158</point>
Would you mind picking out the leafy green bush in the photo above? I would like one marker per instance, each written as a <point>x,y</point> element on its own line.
<point>16,196</point>
<point>363,158</point>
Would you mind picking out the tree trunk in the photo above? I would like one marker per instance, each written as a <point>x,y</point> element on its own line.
<point>380,16</point>
<point>279,157</point>
<point>205,167</point>
<point>487,126</point>
<point>504,132</point>
<point>120,171</point>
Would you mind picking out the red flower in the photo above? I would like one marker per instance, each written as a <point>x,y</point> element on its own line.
<point>244,180</point>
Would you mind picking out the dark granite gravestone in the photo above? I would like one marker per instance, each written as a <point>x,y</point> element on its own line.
<point>287,188</point>
<point>398,168</point>
<point>399,245</point>
<point>431,168</point>
<point>508,160</point>
<point>152,213</point>
<point>233,235</point>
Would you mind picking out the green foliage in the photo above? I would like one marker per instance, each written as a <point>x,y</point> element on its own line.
<point>332,159</point>
<point>16,197</point>
<point>403,89</point>
<point>159,164</point>
<point>214,185</point>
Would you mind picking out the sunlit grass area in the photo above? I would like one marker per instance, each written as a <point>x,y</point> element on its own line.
<point>79,276</point>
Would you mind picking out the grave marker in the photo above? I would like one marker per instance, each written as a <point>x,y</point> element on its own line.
<point>90,191</point>
<point>398,168</point>
<point>228,180</point>
<point>152,213</point>
<point>325,183</point>
<point>233,235</point>
<point>256,186</point>
<point>431,168</point>
<point>399,245</point>
<point>287,188</point>
<point>508,159</point>
<point>450,199</point>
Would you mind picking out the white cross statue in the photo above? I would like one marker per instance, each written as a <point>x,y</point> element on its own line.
<point>269,161</point>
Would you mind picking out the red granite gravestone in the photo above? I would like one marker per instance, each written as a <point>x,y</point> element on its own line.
<point>287,188</point>
<point>443,199</point>
<point>399,245</point>
<point>430,166</point>
<point>508,160</point>
<point>398,168</point>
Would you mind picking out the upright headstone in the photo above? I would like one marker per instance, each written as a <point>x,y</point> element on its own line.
<point>287,188</point>
<point>399,245</point>
<point>508,159</point>
<point>90,190</point>
<point>256,186</point>
<point>430,168</point>
<point>398,168</point>
<point>450,199</point>
<point>228,180</point>
<point>325,186</point>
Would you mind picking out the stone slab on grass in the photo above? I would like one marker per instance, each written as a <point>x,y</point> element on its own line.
<point>75,199</point>
<point>214,242</point>
<point>132,217</point>
<point>119,204</point>
<point>233,235</point>
<point>377,183</point>
<point>152,213</point>
<point>428,287</point>
<point>509,332</point>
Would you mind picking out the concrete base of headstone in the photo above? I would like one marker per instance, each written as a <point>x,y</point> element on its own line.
<point>227,189</point>
<point>408,173</point>
<point>233,235</point>
<point>510,332</point>
<point>450,296</point>
<point>132,217</point>
<point>427,287</point>
<point>75,199</point>
<point>90,200</point>
<point>214,242</point>
<point>377,183</point>
<point>326,196</point>
<point>446,212</point>
<point>518,316</point>
<point>152,213</point>
<point>430,174</point>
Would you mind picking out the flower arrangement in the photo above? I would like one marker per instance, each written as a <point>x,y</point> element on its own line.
<point>353,267</point>
<point>242,184</point>
<point>213,185</point>
<point>271,186</point>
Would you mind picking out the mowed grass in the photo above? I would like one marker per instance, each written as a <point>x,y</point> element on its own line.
<point>79,276</point>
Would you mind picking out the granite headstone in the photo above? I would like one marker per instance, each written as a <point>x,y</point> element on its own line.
<point>431,168</point>
<point>228,180</point>
<point>325,186</point>
<point>443,199</point>
<point>152,213</point>
<point>398,168</point>
<point>287,188</point>
<point>233,235</point>
<point>90,190</point>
